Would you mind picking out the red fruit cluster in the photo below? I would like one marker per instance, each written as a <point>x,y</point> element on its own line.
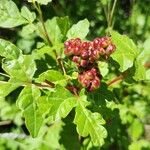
<point>90,79</point>
<point>85,54</point>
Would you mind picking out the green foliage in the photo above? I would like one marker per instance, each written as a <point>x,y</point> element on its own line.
<point>9,15</point>
<point>42,104</point>
<point>80,30</point>
<point>89,123</point>
<point>126,51</point>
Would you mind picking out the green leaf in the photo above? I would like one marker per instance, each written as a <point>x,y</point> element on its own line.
<point>53,76</point>
<point>64,24</point>
<point>126,51</point>
<point>43,2</point>
<point>140,145</point>
<point>53,31</point>
<point>62,102</point>
<point>103,67</point>
<point>135,130</point>
<point>21,69</point>
<point>89,123</point>
<point>29,16</point>
<point>28,29</point>
<point>140,71</point>
<point>148,74</point>
<point>9,50</point>
<point>9,15</point>
<point>27,103</point>
<point>7,87</point>
<point>33,120</point>
<point>79,30</point>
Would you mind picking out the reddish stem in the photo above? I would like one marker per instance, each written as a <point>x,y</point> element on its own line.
<point>116,79</point>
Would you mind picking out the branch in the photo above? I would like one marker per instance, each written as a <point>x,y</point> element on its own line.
<point>116,79</point>
<point>147,65</point>
<point>60,62</point>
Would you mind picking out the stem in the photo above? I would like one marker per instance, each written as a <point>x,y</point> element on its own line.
<point>109,15</point>
<point>112,11</point>
<point>147,65</point>
<point>43,24</point>
<point>116,79</point>
<point>59,60</point>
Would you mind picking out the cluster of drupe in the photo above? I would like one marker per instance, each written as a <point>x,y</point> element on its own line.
<point>86,54</point>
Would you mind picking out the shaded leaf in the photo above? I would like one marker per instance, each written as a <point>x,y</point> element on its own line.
<point>64,24</point>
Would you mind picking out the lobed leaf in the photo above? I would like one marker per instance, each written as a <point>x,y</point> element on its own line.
<point>126,51</point>
<point>9,15</point>
<point>9,50</point>
<point>89,123</point>
<point>62,102</point>
<point>21,69</point>
<point>29,16</point>
<point>27,103</point>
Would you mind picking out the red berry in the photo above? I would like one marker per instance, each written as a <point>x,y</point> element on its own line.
<point>76,59</point>
<point>84,54</point>
<point>83,63</point>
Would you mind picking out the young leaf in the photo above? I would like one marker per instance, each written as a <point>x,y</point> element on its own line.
<point>9,15</point>
<point>126,51</point>
<point>9,50</point>
<point>29,16</point>
<point>42,2</point>
<point>62,102</point>
<point>27,103</point>
<point>89,123</point>
<point>21,69</point>
<point>79,30</point>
